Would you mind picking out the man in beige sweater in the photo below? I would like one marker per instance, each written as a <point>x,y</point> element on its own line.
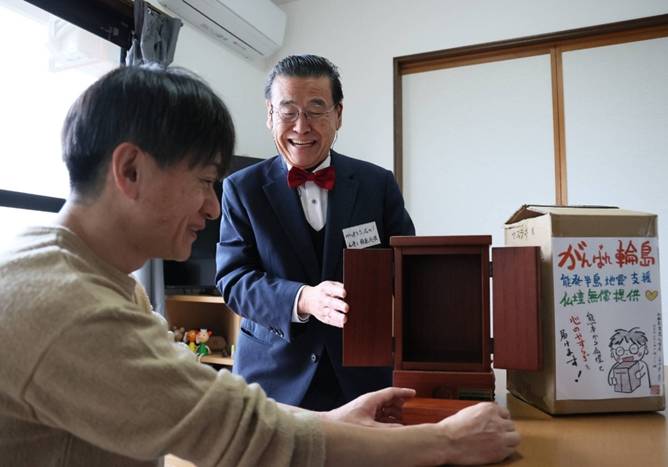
<point>88,374</point>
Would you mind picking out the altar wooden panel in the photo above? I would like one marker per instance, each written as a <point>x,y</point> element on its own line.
<point>368,331</point>
<point>425,410</point>
<point>516,300</point>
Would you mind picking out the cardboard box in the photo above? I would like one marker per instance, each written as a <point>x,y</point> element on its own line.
<point>600,310</point>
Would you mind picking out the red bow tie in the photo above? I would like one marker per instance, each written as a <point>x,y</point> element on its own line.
<point>324,178</point>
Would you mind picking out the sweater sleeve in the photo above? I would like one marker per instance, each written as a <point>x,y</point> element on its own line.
<point>114,379</point>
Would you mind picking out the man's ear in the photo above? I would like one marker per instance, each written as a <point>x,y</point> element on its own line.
<point>270,119</point>
<point>339,115</point>
<point>125,167</point>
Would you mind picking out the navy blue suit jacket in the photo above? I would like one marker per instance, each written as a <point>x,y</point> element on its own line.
<point>266,254</point>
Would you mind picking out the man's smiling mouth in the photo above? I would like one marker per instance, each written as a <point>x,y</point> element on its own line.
<point>300,143</point>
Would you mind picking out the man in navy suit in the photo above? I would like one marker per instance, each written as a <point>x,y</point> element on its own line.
<point>279,260</point>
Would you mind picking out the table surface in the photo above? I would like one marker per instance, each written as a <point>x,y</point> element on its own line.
<point>610,440</point>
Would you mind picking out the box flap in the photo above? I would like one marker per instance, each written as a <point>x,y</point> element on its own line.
<point>527,211</point>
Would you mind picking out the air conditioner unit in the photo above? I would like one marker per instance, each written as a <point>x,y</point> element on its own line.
<point>253,28</point>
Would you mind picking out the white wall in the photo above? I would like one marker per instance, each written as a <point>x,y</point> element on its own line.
<point>238,82</point>
<point>362,37</point>
<point>477,145</point>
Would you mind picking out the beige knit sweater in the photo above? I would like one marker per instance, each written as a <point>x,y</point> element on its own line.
<point>88,376</point>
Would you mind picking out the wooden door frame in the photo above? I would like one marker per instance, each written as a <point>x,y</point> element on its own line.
<point>552,44</point>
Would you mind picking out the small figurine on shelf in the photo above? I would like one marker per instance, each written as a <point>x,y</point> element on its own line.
<point>201,339</point>
<point>178,333</point>
<point>189,338</point>
<point>218,345</point>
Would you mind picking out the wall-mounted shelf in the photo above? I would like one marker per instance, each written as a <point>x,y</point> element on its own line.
<point>195,298</point>
<point>204,311</point>
<point>215,359</point>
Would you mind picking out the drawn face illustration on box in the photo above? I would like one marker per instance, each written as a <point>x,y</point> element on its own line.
<point>628,346</point>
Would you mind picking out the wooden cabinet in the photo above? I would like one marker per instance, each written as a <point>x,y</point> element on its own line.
<point>203,311</point>
<point>423,307</point>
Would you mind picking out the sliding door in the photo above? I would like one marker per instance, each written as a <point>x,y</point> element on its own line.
<point>477,144</point>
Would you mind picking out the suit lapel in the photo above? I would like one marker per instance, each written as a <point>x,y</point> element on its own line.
<point>340,205</point>
<point>285,203</point>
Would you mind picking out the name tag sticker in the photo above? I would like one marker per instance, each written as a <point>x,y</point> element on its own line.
<point>362,236</point>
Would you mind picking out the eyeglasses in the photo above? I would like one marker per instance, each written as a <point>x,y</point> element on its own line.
<point>633,348</point>
<point>290,113</point>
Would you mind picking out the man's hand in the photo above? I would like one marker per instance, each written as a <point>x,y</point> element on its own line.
<point>324,302</point>
<point>374,409</point>
<point>479,434</point>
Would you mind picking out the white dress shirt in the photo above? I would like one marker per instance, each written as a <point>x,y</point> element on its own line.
<point>314,204</point>
<point>314,199</point>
